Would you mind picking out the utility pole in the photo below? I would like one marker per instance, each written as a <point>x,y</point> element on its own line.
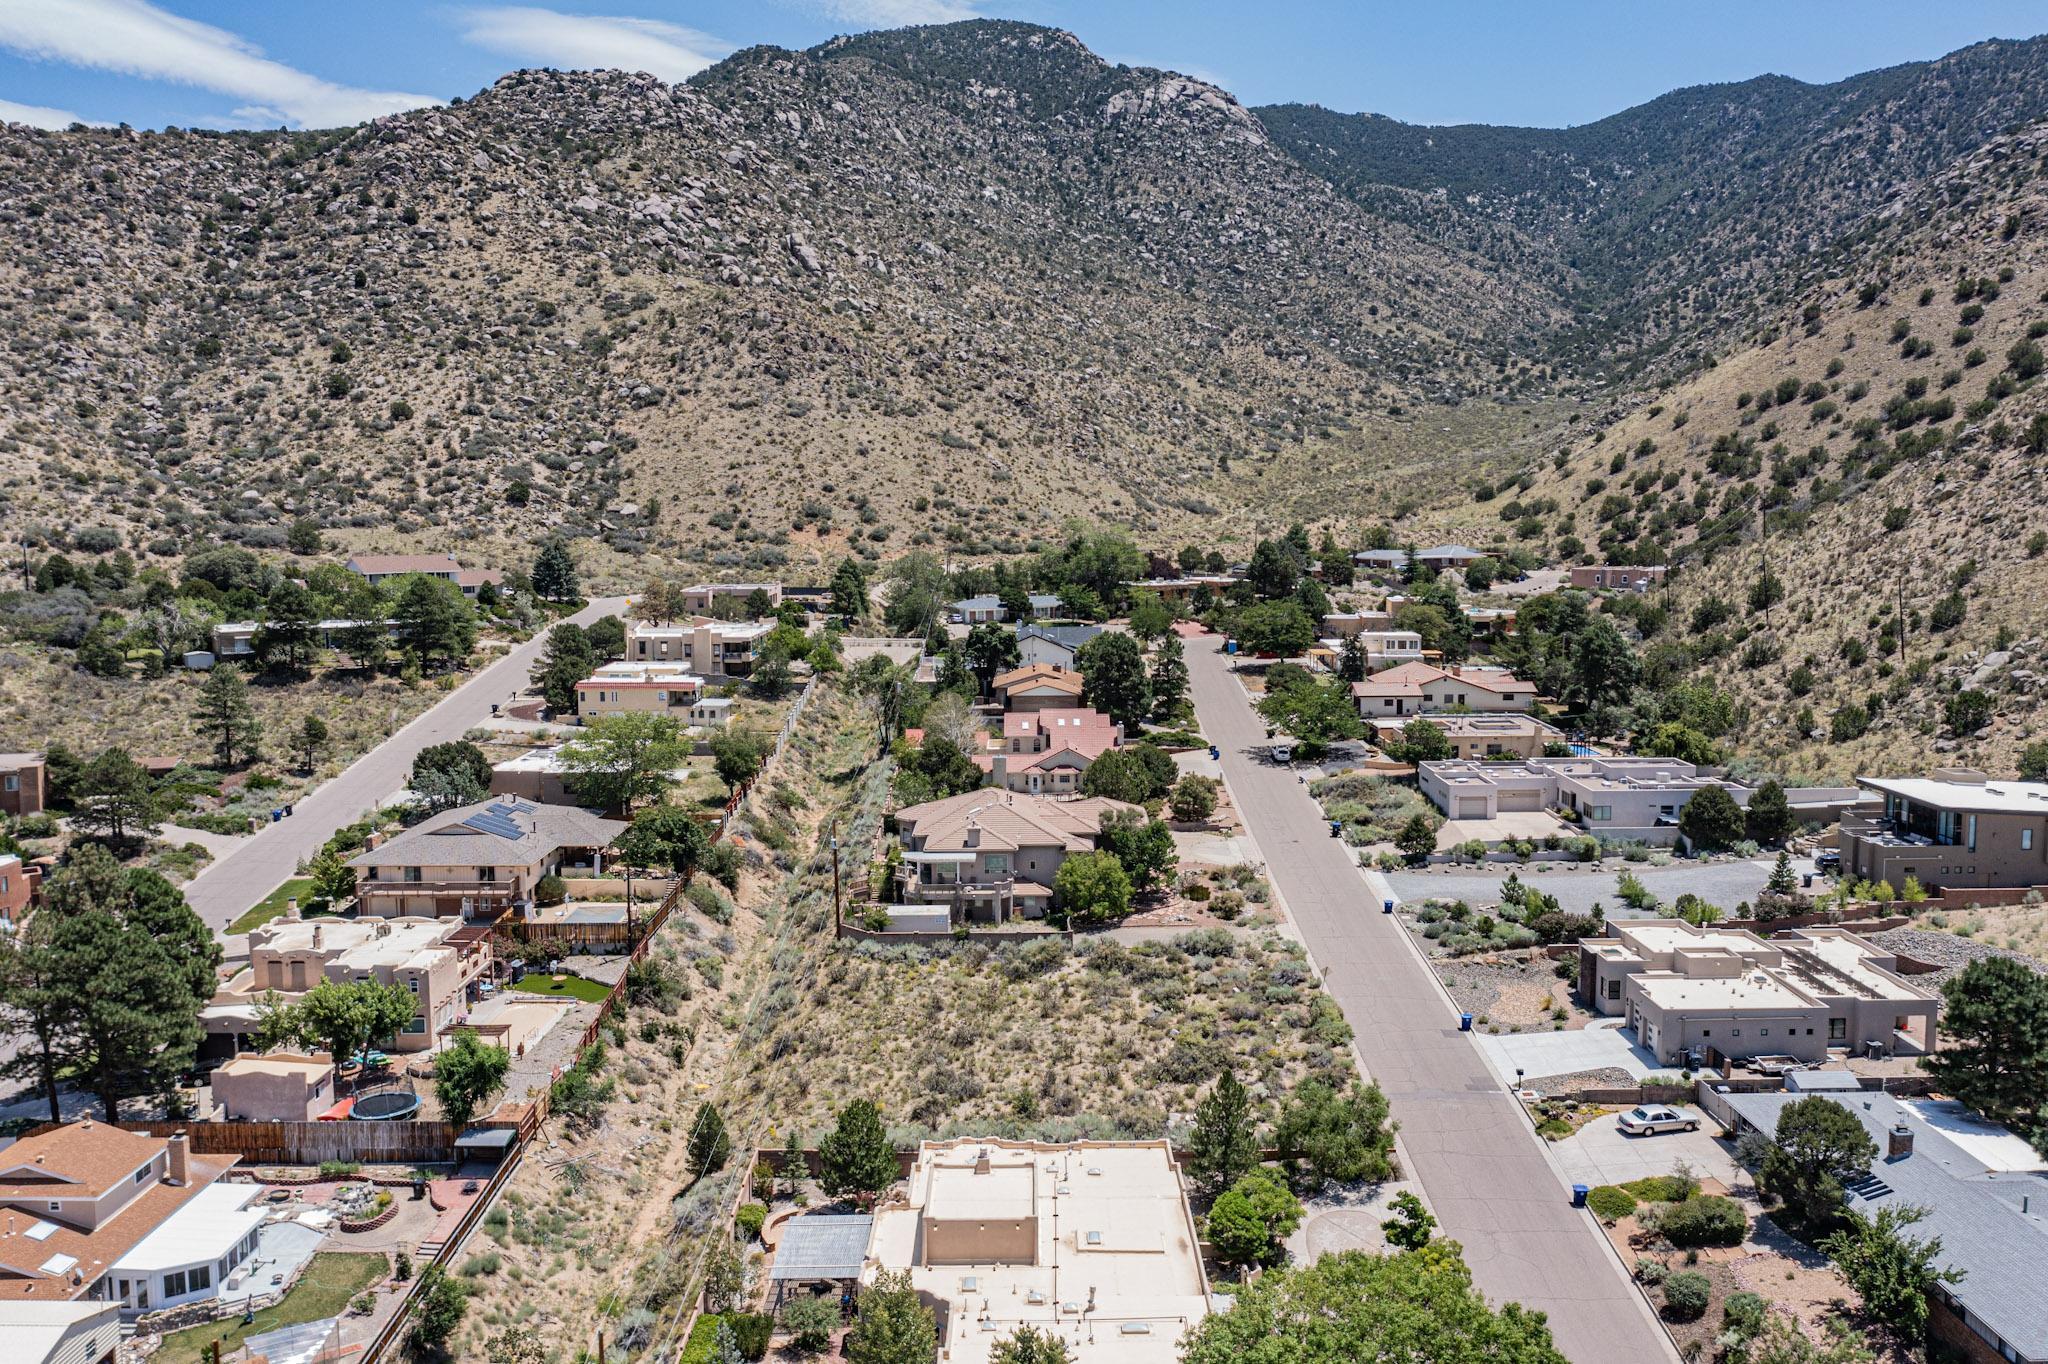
<point>1902,620</point>
<point>1763,555</point>
<point>838,914</point>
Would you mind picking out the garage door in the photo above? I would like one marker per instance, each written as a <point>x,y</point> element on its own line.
<point>1472,807</point>
<point>1520,800</point>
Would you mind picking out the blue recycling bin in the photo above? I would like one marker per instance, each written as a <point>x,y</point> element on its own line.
<point>1229,646</point>
<point>1215,754</point>
<point>276,815</point>
<point>1386,906</point>
<point>1579,1195</point>
<point>1464,1022</point>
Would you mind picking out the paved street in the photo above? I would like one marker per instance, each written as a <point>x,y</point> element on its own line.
<point>227,888</point>
<point>1487,1177</point>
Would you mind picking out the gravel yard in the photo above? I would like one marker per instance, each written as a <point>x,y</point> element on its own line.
<point>1945,950</point>
<point>1513,994</point>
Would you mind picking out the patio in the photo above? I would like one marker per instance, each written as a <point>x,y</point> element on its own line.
<point>1603,1046</point>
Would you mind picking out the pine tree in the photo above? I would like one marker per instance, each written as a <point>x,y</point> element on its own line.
<point>310,740</point>
<point>554,572</point>
<point>1783,881</point>
<point>224,713</point>
<point>855,1156</point>
<point>709,1147</point>
<point>1169,679</point>
<point>1224,1145</point>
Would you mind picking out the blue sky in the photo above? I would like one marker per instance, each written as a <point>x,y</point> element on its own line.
<point>315,63</point>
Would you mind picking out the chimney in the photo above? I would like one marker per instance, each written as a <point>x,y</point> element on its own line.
<point>1900,1143</point>
<point>981,1162</point>
<point>973,838</point>
<point>291,908</point>
<point>318,933</point>
<point>178,1169</point>
<point>373,842</point>
<point>1000,769</point>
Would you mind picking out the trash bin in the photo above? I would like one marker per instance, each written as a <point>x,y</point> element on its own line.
<point>1464,1022</point>
<point>1806,881</point>
<point>1215,754</point>
<point>1386,906</point>
<point>1336,828</point>
<point>276,815</point>
<point>1229,646</point>
<point>1579,1195</point>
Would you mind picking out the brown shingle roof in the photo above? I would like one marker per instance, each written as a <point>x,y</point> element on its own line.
<point>1007,820</point>
<point>85,1159</point>
<point>403,563</point>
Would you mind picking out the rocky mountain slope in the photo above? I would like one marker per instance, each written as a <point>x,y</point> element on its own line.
<point>1665,225</point>
<point>939,286</point>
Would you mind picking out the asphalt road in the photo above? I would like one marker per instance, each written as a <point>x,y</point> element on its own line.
<point>1487,1178</point>
<point>226,889</point>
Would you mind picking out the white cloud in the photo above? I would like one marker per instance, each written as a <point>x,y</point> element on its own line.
<point>38,116</point>
<point>136,38</point>
<point>897,13</point>
<point>592,42</point>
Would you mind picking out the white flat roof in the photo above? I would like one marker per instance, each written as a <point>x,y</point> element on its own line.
<point>1753,989</point>
<point>212,1222</point>
<point>1990,797</point>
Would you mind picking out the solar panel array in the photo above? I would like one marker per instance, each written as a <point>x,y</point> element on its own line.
<point>496,820</point>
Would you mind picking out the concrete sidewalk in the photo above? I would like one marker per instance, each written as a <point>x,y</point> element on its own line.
<point>1467,1143</point>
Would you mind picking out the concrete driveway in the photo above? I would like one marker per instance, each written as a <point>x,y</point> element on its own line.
<point>1601,1153</point>
<point>1537,1054</point>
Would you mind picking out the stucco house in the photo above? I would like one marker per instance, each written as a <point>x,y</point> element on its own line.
<point>706,647</point>
<point>1037,686</point>
<point>479,860</point>
<point>638,688</point>
<point>991,855</point>
<point>1952,827</point>
<point>1420,689</point>
<point>1046,752</point>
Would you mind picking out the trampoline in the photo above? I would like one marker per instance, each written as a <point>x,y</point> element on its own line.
<point>388,1105</point>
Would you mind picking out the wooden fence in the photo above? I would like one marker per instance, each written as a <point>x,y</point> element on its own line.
<point>309,1143</point>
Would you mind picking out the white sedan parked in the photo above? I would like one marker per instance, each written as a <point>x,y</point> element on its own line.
<point>1648,1119</point>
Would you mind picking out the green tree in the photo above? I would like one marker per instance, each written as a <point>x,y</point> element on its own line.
<point>1224,1145</point>
<point>1768,817</point>
<point>113,799</point>
<point>1421,741</point>
<point>1248,1220</point>
<point>433,621</point>
<point>1169,679</point>
<point>1143,847</point>
<point>1116,775</point>
<point>287,638</point>
<point>849,590</point>
<point>344,1017</point>
<point>304,537</point>
<point>1091,888</point>
<point>1275,629</point>
<point>438,1305</point>
<point>1113,678</point>
<point>38,1000</point>
<point>334,881</point>
<point>447,775</point>
<point>225,715</point>
<point>466,1073</point>
<point>709,1146</point>
<point>1337,1137</point>
<point>2034,760</point>
<point>617,760</point>
<point>1352,662</point>
<point>1783,1341</point>
<point>367,636</point>
<point>310,740</point>
<point>1783,880</point>
<point>1316,713</point>
<point>100,652</point>
<point>1417,838</point>
<point>1994,1055</point>
<point>666,836</point>
<point>1671,739</point>
<point>554,572</point>
<point>990,650</point>
<point>1031,1346</point>
<point>891,1324</point>
<point>1892,1272</point>
<point>1411,1225</point>
<point>607,638</point>
<point>1604,669</point>
<point>1151,617</point>
<point>1711,821</point>
<point>737,755</point>
<point>1193,798</point>
<point>1418,1308</point>
<point>566,659</point>
<point>855,1157</point>
<point>1968,711</point>
<point>1818,1144</point>
<point>810,1320</point>
<point>1273,571</point>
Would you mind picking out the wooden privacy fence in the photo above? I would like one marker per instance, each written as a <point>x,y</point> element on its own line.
<point>310,1143</point>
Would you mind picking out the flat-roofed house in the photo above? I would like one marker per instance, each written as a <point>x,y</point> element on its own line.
<point>441,962</point>
<point>21,783</point>
<point>1092,1242</point>
<point>1419,689</point>
<point>1686,990</point>
<point>277,1086</point>
<point>1638,798</point>
<point>1952,827</point>
<point>991,854</point>
<point>709,599</point>
<point>18,885</point>
<point>1440,558</point>
<point>100,1214</point>
<point>1618,577</point>
<point>669,689</point>
<point>1037,686</point>
<point>1476,736</point>
<point>708,648</point>
<point>479,860</point>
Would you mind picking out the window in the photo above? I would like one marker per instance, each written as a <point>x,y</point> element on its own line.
<point>174,1284</point>
<point>142,1174</point>
<point>486,873</point>
<point>1614,989</point>
<point>417,1024</point>
<point>412,876</point>
<point>2026,839</point>
<point>1600,812</point>
<point>198,1278</point>
<point>13,782</point>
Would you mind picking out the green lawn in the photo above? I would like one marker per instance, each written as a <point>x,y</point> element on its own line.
<point>330,1282</point>
<point>272,904</point>
<point>572,987</point>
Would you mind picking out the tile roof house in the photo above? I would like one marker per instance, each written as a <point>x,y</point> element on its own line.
<point>1045,752</point>
<point>1989,1219</point>
<point>992,854</point>
<point>103,1214</point>
<point>478,860</point>
<point>1053,644</point>
<point>1419,689</point>
<point>1038,686</point>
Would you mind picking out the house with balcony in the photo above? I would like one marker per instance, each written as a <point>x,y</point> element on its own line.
<point>1476,737</point>
<point>1953,827</point>
<point>991,855</point>
<point>100,1214</point>
<point>712,599</point>
<point>479,861</point>
<point>440,961</point>
<point>669,689</point>
<point>1046,752</point>
<point>1420,689</point>
<point>1688,991</point>
<point>1037,686</point>
<point>1056,646</point>
<point>706,647</point>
